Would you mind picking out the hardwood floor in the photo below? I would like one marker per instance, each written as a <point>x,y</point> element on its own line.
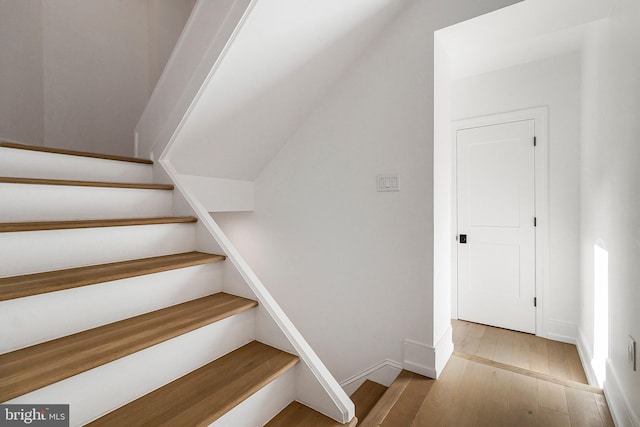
<point>497,378</point>
<point>521,350</point>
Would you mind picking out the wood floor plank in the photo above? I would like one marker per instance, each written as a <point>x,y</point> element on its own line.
<point>552,396</point>
<point>603,410</point>
<point>477,330</point>
<point>34,367</point>
<point>204,395</point>
<point>530,373</point>
<point>539,356</point>
<point>520,356</point>
<point>389,398</point>
<point>366,396</point>
<point>523,401</point>
<point>558,365</point>
<point>575,365</point>
<point>583,409</point>
<point>494,407</point>
<point>74,153</point>
<point>468,399</point>
<point>488,343</point>
<point>460,330</point>
<point>9,227</point>
<point>533,399</point>
<point>39,283</point>
<point>72,183</point>
<point>405,409</point>
<point>504,347</point>
<point>439,402</point>
<point>550,418</point>
<point>470,345</point>
<point>297,414</point>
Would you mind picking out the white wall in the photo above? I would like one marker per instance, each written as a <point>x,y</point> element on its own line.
<point>21,85</point>
<point>555,83</point>
<point>300,49</point>
<point>166,21</point>
<point>77,74</point>
<point>610,206</point>
<point>95,73</point>
<point>353,268</point>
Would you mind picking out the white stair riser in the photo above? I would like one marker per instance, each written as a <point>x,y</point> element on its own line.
<point>100,390</point>
<point>263,405</point>
<point>25,202</point>
<point>34,164</point>
<point>38,251</point>
<point>32,320</point>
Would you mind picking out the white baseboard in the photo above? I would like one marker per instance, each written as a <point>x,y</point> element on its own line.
<point>560,330</point>
<point>585,358</point>
<point>425,360</point>
<point>619,406</point>
<point>382,373</point>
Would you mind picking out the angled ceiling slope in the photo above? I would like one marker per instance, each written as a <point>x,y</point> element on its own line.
<point>284,59</point>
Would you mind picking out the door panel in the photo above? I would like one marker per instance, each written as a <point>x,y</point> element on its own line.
<point>496,208</point>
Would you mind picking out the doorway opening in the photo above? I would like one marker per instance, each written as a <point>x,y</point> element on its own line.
<point>516,298</point>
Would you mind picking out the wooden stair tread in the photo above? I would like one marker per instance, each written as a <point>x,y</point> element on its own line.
<point>382,408</point>
<point>297,414</point>
<point>366,396</point>
<point>204,395</point>
<point>92,223</point>
<point>74,153</point>
<point>31,368</point>
<point>72,183</point>
<point>51,281</point>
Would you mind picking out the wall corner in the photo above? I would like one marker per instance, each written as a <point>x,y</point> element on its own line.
<point>426,360</point>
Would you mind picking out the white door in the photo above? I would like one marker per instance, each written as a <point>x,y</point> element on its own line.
<point>496,209</point>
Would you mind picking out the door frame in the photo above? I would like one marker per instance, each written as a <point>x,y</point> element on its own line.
<point>540,117</point>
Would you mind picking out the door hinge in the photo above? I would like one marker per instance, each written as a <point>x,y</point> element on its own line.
<point>535,301</point>
<point>535,221</point>
<point>535,141</point>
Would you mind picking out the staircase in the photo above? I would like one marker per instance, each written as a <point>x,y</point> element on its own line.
<point>106,303</point>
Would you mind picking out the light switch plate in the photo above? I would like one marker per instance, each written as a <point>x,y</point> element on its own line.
<point>631,353</point>
<point>388,182</point>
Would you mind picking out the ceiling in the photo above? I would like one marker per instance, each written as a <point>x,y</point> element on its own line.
<point>527,31</point>
<point>287,55</point>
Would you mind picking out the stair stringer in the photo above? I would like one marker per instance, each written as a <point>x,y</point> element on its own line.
<point>314,384</point>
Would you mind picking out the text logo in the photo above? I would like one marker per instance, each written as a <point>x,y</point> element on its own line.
<point>34,415</point>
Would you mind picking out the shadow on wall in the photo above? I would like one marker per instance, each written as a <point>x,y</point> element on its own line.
<point>234,134</point>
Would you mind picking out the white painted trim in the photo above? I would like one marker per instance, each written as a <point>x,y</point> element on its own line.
<point>585,358</point>
<point>426,360</point>
<point>344,406</point>
<point>419,358</point>
<point>540,117</point>
<point>560,330</point>
<point>382,373</point>
<point>619,406</point>
<point>444,350</point>
<point>155,126</point>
